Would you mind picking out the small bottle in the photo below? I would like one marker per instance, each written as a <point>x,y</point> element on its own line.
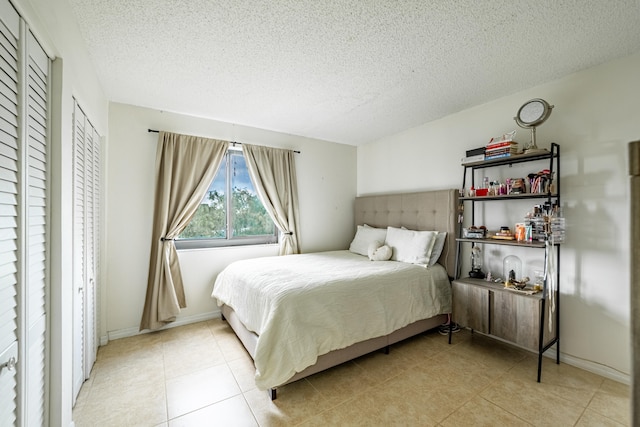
<point>538,283</point>
<point>485,182</point>
<point>552,184</point>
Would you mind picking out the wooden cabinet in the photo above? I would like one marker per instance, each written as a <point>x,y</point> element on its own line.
<point>516,318</point>
<point>529,321</point>
<point>471,306</point>
<point>491,309</point>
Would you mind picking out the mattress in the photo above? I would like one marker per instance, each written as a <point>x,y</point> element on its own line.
<point>304,306</point>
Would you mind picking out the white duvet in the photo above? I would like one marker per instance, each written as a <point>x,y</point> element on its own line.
<point>303,306</point>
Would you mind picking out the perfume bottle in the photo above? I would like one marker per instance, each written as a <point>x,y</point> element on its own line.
<point>538,282</point>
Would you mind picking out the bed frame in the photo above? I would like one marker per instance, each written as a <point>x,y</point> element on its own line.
<point>430,210</point>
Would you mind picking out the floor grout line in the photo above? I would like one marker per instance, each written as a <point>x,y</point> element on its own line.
<point>477,351</point>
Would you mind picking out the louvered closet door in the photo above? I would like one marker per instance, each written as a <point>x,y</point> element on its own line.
<point>36,226</point>
<point>86,149</point>
<point>9,185</point>
<point>91,274</point>
<point>79,248</point>
<point>24,88</point>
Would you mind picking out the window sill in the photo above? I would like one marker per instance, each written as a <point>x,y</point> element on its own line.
<point>230,247</point>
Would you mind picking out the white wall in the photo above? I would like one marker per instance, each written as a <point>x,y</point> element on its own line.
<point>595,117</point>
<point>326,185</point>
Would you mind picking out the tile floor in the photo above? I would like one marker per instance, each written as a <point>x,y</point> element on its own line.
<point>200,375</point>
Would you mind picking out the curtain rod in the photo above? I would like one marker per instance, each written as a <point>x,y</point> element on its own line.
<point>233,142</point>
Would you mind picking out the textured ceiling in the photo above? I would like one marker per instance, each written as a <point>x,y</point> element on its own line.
<point>349,71</point>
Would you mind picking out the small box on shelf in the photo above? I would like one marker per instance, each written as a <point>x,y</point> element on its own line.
<point>474,233</point>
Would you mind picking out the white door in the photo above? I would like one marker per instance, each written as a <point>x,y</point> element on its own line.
<point>9,230</point>
<point>79,261</point>
<point>35,237</point>
<point>86,152</point>
<point>24,217</point>
<point>92,221</point>
<point>94,277</point>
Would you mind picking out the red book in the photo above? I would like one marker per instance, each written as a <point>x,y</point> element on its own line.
<point>500,144</point>
<point>507,149</point>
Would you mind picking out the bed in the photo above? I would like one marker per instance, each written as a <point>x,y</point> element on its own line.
<point>296,316</point>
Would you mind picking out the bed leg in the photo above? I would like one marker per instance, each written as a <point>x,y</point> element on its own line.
<point>224,319</point>
<point>272,393</point>
<point>387,349</point>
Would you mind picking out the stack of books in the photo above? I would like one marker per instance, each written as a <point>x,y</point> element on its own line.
<point>500,149</point>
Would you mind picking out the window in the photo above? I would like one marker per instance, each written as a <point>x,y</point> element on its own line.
<point>240,219</point>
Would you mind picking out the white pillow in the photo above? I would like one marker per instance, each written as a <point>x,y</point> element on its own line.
<point>370,226</point>
<point>379,251</point>
<point>410,246</point>
<point>364,237</point>
<point>438,246</point>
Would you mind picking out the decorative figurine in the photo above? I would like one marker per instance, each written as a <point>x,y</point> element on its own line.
<point>476,263</point>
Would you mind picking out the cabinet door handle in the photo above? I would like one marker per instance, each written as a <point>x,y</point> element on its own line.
<point>10,365</point>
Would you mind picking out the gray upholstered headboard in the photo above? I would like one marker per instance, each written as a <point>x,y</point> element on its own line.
<point>428,210</point>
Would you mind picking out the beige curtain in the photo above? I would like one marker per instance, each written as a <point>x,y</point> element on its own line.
<point>273,173</point>
<point>185,167</point>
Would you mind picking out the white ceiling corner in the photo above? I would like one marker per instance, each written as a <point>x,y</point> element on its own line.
<point>348,71</point>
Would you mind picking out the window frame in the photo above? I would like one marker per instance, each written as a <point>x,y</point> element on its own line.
<point>203,243</point>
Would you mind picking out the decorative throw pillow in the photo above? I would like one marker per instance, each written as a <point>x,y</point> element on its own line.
<point>378,251</point>
<point>438,246</point>
<point>363,238</point>
<point>410,246</point>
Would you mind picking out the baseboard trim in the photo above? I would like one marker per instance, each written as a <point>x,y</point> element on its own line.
<point>587,365</point>
<point>593,367</point>
<point>130,332</point>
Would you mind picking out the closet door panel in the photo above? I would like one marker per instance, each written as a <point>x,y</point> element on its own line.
<point>37,228</point>
<point>79,258</point>
<point>90,342</point>
<point>9,220</point>
<point>86,222</point>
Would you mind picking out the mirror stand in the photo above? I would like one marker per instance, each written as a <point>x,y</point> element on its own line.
<point>532,114</point>
<point>531,147</point>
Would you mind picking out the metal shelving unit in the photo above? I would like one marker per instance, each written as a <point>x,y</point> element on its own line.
<point>553,157</point>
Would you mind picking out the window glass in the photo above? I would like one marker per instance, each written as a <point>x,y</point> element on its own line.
<point>240,219</point>
<point>249,216</point>
<point>210,220</point>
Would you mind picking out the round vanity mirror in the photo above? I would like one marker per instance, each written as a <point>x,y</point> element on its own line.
<point>533,113</point>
